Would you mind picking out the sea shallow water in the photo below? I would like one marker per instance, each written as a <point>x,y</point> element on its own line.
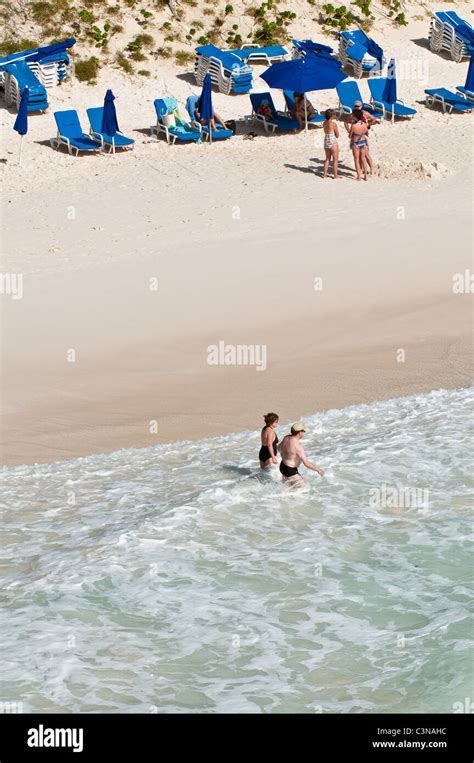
<point>168,579</point>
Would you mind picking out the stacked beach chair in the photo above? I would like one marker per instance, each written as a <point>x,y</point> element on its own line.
<point>302,47</point>
<point>228,72</point>
<point>229,69</point>
<point>38,69</point>
<point>360,53</point>
<point>449,33</point>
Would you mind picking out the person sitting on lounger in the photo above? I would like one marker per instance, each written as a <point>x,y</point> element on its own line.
<point>369,120</point>
<point>298,111</point>
<point>264,110</point>
<point>293,455</point>
<point>212,123</point>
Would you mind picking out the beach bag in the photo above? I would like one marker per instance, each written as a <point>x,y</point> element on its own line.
<point>231,125</point>
<point>169,120</point>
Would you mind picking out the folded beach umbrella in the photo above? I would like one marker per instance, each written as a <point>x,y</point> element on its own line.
<point>205,103</point>
<point>470,76</point>
<point>109,117</point>
<point>303,75</point>
<point>389,94</point>
<point>21,121</point>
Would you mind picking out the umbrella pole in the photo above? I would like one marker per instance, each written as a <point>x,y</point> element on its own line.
<point>393,113</point>
<point>113,145</point>
<point>305,116</point>
<point>210,132</point>
<point>21,146</point>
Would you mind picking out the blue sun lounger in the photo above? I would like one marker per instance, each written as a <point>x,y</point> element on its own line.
<point>218,134</point>
<point>377,87</point>
<point>448,101</point>
<point>267,55</point>
<point>277,119</point>
<point>119,140</point>
<point>70,134</point>
<point>348,93</point>
<point>181,131</point>
<point>289,97</point>
<point>469,94</point>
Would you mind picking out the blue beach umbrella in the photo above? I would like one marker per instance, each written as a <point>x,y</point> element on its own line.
<point>205,103</point>
<point>109,124</point>
<point>21,121</point>
<point>389,94</point>
<point>303,75</point>
<point>470,76</point>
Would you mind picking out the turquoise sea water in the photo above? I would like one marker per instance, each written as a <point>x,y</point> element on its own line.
<point>168,579</point>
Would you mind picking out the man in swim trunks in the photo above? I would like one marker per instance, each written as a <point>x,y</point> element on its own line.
<point>292,456</point>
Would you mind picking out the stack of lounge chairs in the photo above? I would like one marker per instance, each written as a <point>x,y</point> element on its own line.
<point>228,72</point>
<point>38,69</point>
<point>19,76</point>
<point>360,53</point>
<point>302,47</point>
<point>449,33</point>
<point>229,69</point>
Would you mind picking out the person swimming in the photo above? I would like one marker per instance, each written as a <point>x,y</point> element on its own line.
<point>268,452</point>
<point>293,455</point>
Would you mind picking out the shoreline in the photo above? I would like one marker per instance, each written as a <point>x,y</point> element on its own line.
<point>236,236</point>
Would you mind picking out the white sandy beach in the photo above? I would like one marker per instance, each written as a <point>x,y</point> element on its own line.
<point>235,234</point>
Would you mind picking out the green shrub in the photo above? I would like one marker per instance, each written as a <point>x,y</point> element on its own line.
<point>203,40</point>
<point>9,46</point>
<point>165,52</point>
<point>144,73</point>
<point>124,63</point>
<point>87,70</point>
<point>228,10</point>
<point>364,6</point>
<point>337,18</point>
<point>183,57</point>
<point>86,16</point>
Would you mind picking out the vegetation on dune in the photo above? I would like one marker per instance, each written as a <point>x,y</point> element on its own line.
<point>95,23</point>
<point>87,70</point>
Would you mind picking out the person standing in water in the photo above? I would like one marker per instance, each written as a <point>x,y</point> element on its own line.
<point>293,455</point>
<point>268,452</point>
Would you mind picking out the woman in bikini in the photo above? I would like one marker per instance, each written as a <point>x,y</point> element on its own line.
<point>268,452</point>
<point>331,146</point>
<point>358,137</point>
